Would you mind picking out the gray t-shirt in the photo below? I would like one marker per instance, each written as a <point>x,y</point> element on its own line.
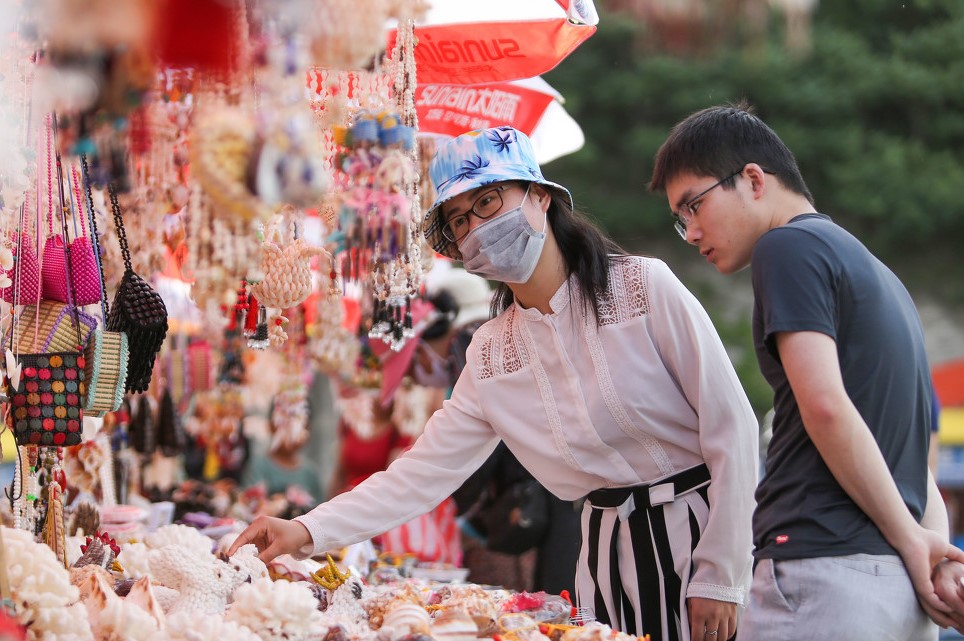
<point>812,275</point>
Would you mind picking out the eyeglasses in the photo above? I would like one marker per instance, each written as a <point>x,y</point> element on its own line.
<point>684,215</point>
<point>485,206</point>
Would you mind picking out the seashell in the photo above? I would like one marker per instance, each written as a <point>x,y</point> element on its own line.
<point>81,577</point>
<point>142,595</point>
<point>100,594</point>
<point>454,625</point>
<point>408,618</point>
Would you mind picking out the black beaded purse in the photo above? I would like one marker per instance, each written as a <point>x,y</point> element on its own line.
<point>138,311</point>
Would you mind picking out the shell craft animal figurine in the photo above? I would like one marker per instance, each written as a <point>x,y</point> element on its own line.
<point>287,274</point>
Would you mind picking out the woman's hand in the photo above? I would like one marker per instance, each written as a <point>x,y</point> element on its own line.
<point>273,537</point>
<point>711,620</point>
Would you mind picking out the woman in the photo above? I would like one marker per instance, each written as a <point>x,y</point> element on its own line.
<point>605,378</point>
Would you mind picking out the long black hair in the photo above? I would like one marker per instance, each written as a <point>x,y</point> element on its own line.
<point>586,251</point>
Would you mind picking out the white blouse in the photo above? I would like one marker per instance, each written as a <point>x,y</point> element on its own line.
<point>585,406</point>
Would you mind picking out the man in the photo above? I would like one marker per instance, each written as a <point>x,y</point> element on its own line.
<point>841,535</point>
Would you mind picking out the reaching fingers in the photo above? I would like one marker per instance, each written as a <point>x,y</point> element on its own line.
<point>242,539</point>
<point>271,552</point>
<point>256,533</point>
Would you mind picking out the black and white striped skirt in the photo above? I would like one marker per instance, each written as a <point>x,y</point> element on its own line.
<point>637,549</point>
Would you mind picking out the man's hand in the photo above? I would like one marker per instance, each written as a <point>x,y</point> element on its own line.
<point>711,620</point>
<point>922,552</point>
<point>947,579</point>
<point>273,537</point>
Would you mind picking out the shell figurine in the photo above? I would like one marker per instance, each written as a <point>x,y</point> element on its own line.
<point>287,274</point>
<point>454,625</point>
<point>407,618</point>
<point>100,550</point>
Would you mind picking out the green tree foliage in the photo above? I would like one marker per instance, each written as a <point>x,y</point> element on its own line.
<point>874,114</point>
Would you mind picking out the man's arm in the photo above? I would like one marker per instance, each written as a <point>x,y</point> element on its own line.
<point>848,448</point>
<point>935,513</point>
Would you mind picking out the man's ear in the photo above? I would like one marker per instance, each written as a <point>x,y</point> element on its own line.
<point>757,177</point>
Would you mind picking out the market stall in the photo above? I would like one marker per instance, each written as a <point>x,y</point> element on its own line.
<point>209,210</point>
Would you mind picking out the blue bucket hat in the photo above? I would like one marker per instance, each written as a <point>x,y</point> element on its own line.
<point>474,159</point>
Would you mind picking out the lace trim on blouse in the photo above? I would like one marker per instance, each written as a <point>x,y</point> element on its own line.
<point>628,295</point>
<point>501,349</point>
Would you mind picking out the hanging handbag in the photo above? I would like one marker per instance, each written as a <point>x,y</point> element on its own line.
<point>53,270</point>
<point>83,281</point>
<point>107,353</point>
<point>46,403</point>
<point>50,326</point>
<point>85,267</point>
<point>138,311</point>
<point>25,273</point>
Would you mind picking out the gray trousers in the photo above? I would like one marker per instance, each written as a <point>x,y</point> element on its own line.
<point>845,598</point>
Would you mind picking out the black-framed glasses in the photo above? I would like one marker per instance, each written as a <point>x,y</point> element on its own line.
<point>485,206</point>
<point>687,210</point>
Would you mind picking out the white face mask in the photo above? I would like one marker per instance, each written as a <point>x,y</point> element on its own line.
<point>505,248</point>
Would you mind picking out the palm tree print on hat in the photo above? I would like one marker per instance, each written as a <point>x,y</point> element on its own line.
<point>470,168</point>
<point>501,143</point>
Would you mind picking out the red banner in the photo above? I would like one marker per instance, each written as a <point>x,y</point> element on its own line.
<point>454,109</point>
<point>487,52</point>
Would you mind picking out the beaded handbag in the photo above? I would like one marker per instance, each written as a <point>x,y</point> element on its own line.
<point>46,400</point>
<point>85,267</point>
<point>107,353</point>
<point>25,273</point>
<point>81,284</point>
<point>138,311</point>
<point>46,405</point>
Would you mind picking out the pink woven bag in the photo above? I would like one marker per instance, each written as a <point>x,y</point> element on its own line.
<point>54,273</point>
<point>84,262</point>
<point>25,273</point>
<point>84,274</point>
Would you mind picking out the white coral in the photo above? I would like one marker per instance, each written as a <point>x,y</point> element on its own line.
<point>180,535</point>
<point>276,610</point>
<point>189,626</point>
<point>42,592</point>
<point>133,558</point>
